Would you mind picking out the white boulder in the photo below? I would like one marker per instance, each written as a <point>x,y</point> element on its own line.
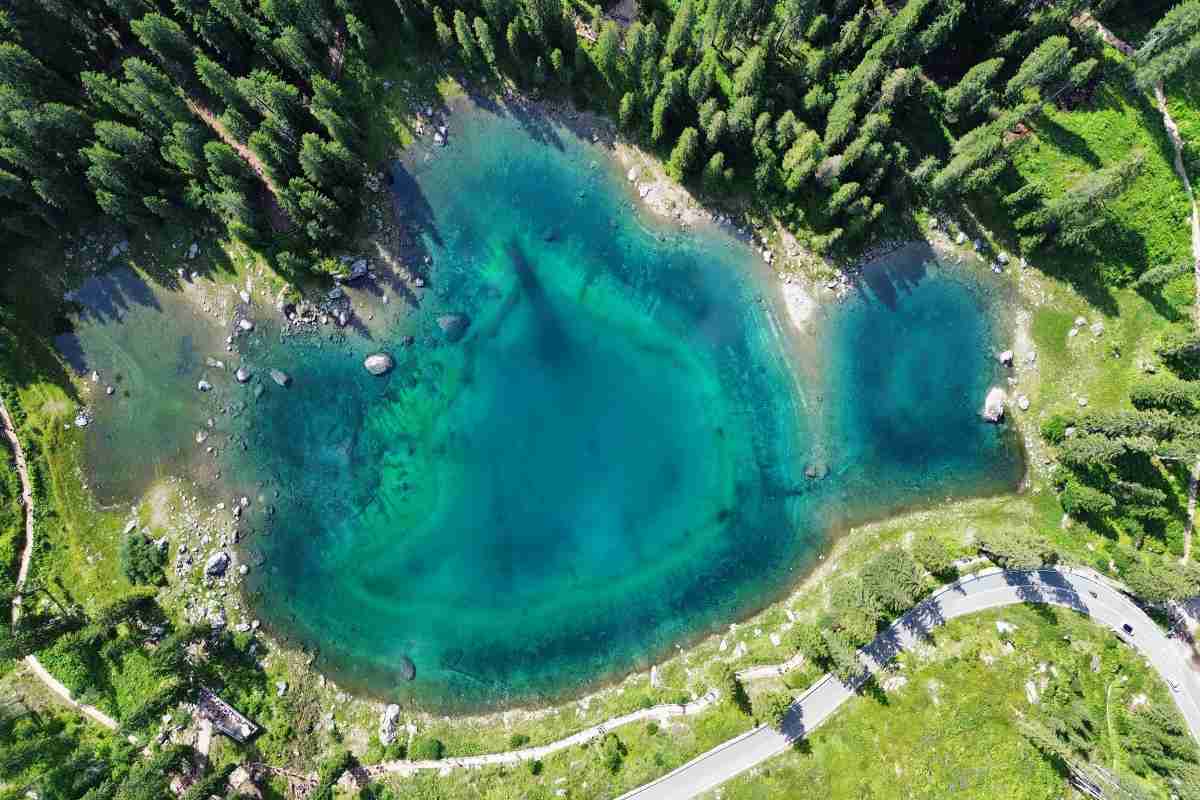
<point>993,405</point>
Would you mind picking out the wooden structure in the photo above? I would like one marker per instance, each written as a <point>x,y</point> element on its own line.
<point>224,717</point>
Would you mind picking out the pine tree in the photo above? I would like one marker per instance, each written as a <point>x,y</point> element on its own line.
<point>295,50</point>
<point>500,12</point>
<point>1172,45</point>
<point>684,155</point>
<point>445,35</point>
<point>608,56</point>
<point>330,166</point>
<point>747,79</point>
<point>801,159</point>
<point>217,80</point>
<point>1077,213</point>
<point>679,35</point>
<point>1048,62</point>
<point>973,92</point>
<point>163,37</point>
<point>335,113</point>
<point>487,45</point>
<point>627,113</point>
<point>466,38</point>
<point>18,68</point>
<point>241,19</point>
<point>701,80</point>
<point>544,20</point>
<point>716,176</point>
<point>513,36</point>
<point>151,97</point>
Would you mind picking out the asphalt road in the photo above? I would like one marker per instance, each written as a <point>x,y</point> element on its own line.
<point>1082,590</point>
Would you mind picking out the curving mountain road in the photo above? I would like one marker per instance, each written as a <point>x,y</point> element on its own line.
<point>1082,590</point>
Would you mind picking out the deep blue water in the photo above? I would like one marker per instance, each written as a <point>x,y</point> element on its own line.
<point>610,461</point>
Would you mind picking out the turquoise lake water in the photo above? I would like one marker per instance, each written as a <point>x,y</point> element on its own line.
<point>610,461</point>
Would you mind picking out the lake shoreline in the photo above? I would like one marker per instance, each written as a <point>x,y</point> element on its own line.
<point>803,308</point>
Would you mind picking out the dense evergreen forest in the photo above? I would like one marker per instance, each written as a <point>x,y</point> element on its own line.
<point>835,114</point>
<point>240,113</point>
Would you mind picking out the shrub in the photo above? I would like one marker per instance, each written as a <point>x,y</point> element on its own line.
<point>612,752</point>
<point>141,560</point>
<point>773,707</point>
<point>807,640</point>
<point>517,741</point>
<point>730,686</point>
<point>1016,550</point>
<point>425,748</point>
<point>932,554</point>
<point>535,767</point>
<point>1054,429</point>
<point>1079,500</point>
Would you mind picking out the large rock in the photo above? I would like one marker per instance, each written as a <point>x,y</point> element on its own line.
<point>216,564</point>
<point>242,374</point>
<point>378,363</point>
<point>454,326</point>
<point>389,723</point>
<point>1005,358</point>
<point>993,405</point>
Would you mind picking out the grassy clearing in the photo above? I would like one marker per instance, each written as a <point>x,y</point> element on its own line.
<point>1148,223</point>
<point>949,730</point>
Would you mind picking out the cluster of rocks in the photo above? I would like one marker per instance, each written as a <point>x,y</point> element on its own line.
<point>207,566</point>
<point>1097,327</point>
<point>995,403</point>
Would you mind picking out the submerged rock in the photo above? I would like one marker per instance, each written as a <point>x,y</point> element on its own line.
<point>993,405</point>
<point>407,669</point>
<point>378,363</point>
<point>281,377</point>
<point>454,326</point>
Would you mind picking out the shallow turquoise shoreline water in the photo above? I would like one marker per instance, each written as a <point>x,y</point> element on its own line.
<point>609,462</point>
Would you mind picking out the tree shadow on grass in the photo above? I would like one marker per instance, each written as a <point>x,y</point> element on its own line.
<point>1066,140</point>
